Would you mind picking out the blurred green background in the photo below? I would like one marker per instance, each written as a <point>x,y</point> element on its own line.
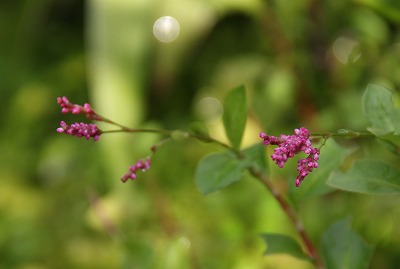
<point>304,63</point>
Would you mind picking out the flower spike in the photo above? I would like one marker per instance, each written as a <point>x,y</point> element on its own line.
<point>290,145</point>
<point>80,129</point>
<point>139,165</point>
<point>68,107</point>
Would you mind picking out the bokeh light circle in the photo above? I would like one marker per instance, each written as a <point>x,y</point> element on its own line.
<point>346,49</point>
<point>166,29</point>
<point>209,110</point>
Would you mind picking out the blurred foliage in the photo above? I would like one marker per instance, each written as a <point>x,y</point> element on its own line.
<point>305,63</point>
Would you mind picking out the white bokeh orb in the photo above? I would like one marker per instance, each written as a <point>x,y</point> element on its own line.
<point>166,29</point>
<point>209,110</point>
<point>346,49</point>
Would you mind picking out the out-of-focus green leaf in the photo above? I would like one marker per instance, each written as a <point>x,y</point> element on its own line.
<point>343,248</point>
<point>218,170</point>
<point>391,142</point>
<point>256,155</point>
<point>331,157</point>
<point>235,114</point>
<point>384,118</point>
<point>387,8</point>
<point>283,244</point>
<point>379,109</point>
<point>369,177</point>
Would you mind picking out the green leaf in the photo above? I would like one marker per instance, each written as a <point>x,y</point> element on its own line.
<point>379,109</point>
<point>331,158</point>
<point>391,142</point>
<point>342,248</point>
<point>388,9</point>
<point>218,170</point>
<point>283,244</point>
<point>369,177</point>
<point>235,114</point>
<point>256,156</point>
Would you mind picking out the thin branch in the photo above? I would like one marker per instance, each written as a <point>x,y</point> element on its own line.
<point>256,173</point>
<point>346,134</point>
<point>203,138</point>
<point>292,216</point>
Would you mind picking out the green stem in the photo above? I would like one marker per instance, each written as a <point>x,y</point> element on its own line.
<point>290,212</point>
<point>348,133</point>
<point>125,129</point>
<point>169,133</point>
<point>104,119</point>
<point>212,140</point>
<point>128,130</point>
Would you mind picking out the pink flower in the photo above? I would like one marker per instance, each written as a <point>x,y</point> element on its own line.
<point>290,145</point>
<point>80,129</point>
<point>68,107</point>
<point>139,165</point>
<point>307,165</point>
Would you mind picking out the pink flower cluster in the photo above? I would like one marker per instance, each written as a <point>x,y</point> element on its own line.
<point>68,107</point>
<point>305,166</point>
<point>289,145</point>
<point>80,129</point>
<point>92,131</point>
<point>142,165</point>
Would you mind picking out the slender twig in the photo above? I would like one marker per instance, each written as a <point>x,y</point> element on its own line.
<point>129,130</point>
<point>170,133</point>
<point>291,214</point>
<point>255,172</point>
<point>349,134</point>
<point>287,208</point>
<point>284,205</point>
<point>104,119</point>
<point>210,139</point>
<point>262,178</point>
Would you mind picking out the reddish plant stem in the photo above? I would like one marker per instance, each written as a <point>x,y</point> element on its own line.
<point>316,259</point>
<point>292,216</point>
